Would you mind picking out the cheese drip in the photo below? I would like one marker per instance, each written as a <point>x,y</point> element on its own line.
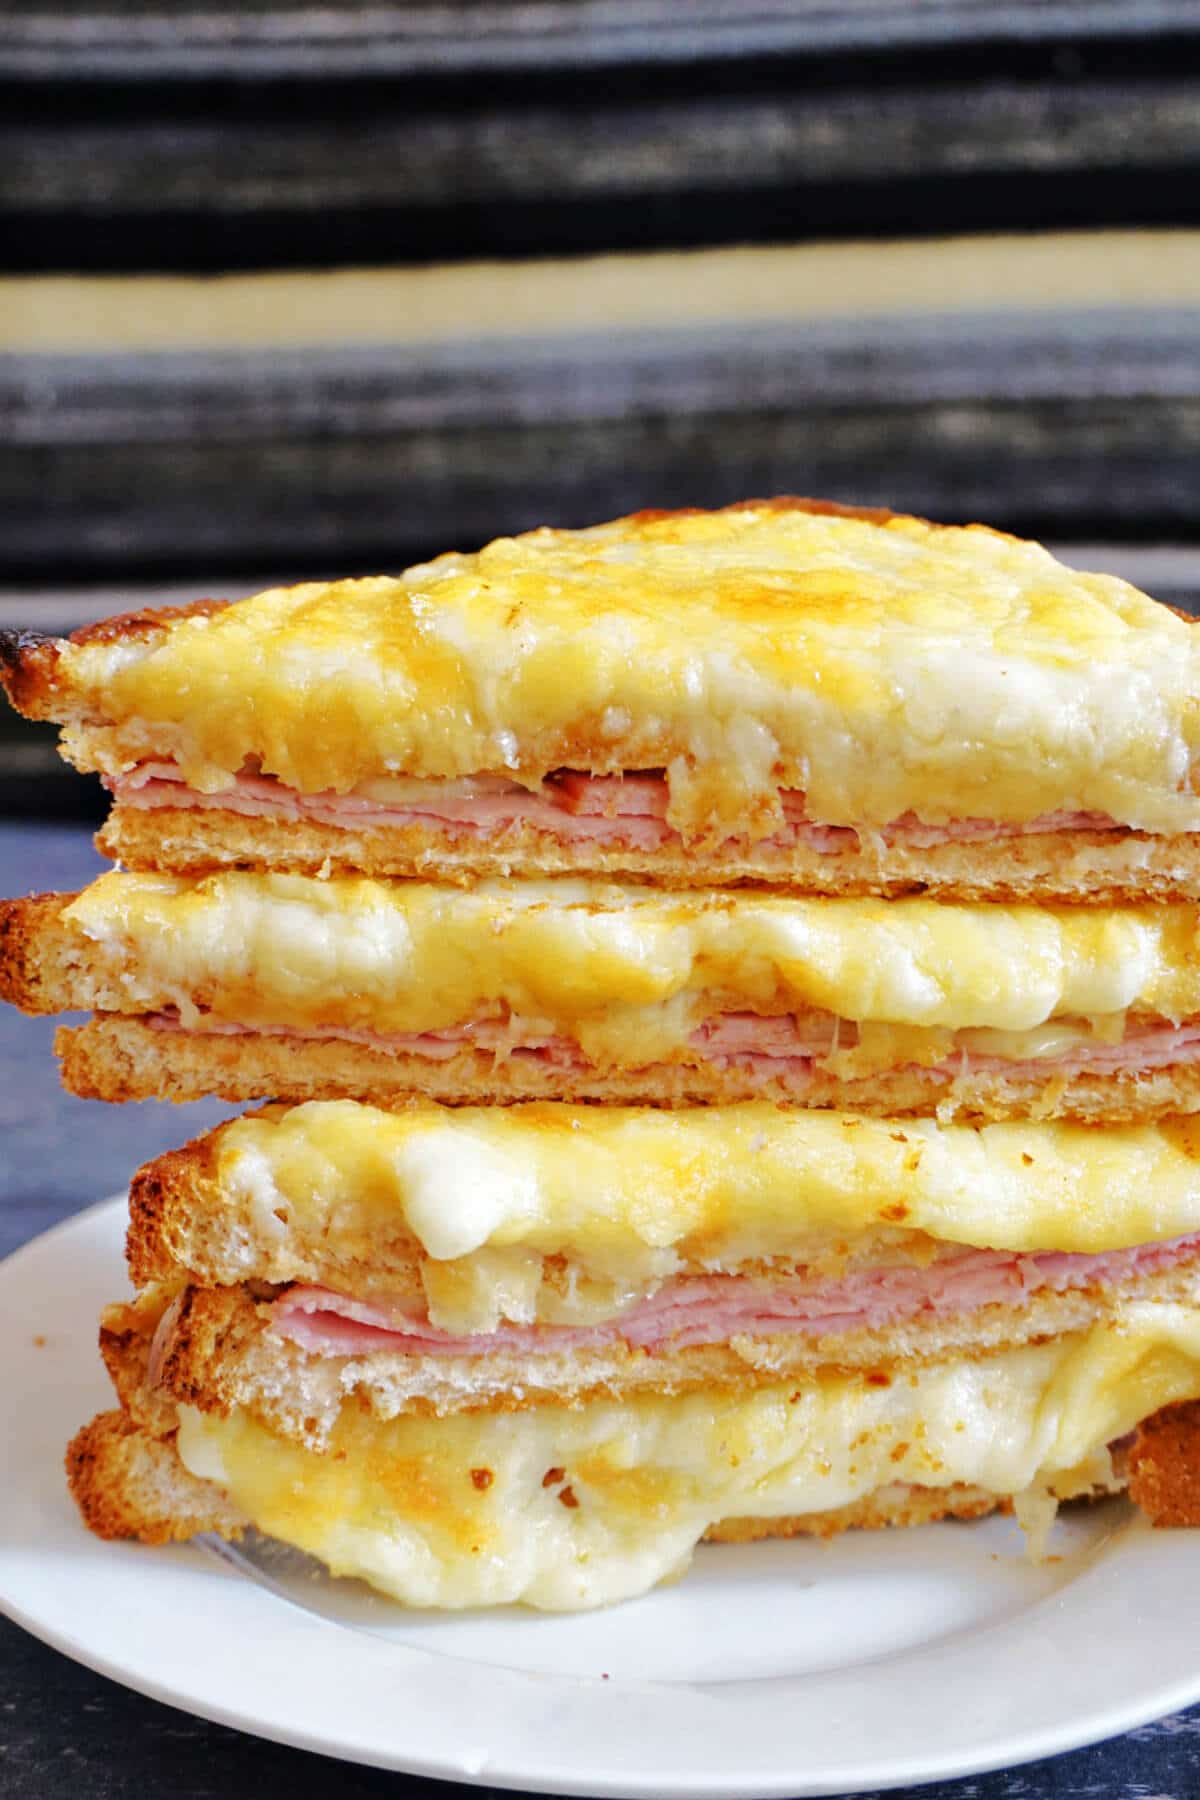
<point>629,973</point>
<point>564,1508</point>
<point>884,667</point>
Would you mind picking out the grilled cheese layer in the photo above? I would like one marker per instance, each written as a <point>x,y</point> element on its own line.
<point>879,664</point>
<point>623,1199</point>
<point>564,1508</point>
<point>629,974</point>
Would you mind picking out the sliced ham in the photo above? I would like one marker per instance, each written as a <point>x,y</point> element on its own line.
<point>783,1044</point>
<point>611,796</point>
<point>623,812</point>
<point>728,1036</point>
<point>712,1309</point>
<point>731,1041</point>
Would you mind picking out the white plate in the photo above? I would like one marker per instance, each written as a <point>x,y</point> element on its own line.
<point>774,1669</point>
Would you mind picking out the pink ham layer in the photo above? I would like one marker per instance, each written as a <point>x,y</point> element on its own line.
<point>785,1044</point>
<point>712,1309</point>
<point>625,812</point>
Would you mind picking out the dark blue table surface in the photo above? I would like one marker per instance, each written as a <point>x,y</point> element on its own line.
<point>66,1732</point>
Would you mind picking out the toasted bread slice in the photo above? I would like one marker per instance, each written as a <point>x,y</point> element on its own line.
<point>798,679</point>
<point>128,1483</point>
<point>1099,866</point>
<point>1164,1465</point>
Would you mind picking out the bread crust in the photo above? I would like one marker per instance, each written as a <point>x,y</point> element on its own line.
<point>128,1483</point>
<point>167,1197</point>
<point>119,1057</point>
<point>1164,1465</point>
<point>37,955</point>
<point>28,660</point>
<point>1100,867</point>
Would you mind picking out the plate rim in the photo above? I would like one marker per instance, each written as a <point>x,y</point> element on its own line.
<point>178,1570</point>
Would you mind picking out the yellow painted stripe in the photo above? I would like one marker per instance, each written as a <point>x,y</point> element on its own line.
<point>453,302</point>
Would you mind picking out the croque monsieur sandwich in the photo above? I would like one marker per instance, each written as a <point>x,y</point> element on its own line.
<point>486,1355</point>
<point>786,809</point>
<point>786,691</point>
<point>289,987</point>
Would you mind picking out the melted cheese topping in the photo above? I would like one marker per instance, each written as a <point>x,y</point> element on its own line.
<point>629,973</point>
<point>630,1195</point>
<point>880,667</point>
<point>567,1508</point>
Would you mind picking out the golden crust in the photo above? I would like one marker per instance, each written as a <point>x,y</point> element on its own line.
<point>1164,1466</point>
<point>126,1336</point>
<point>1101,867</point>
<point>28,661</point>
<point>166,1199</point>
<point>180,1221</point>
<point>117,1058</point>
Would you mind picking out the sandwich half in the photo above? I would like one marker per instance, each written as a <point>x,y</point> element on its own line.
<point>535,1354</point>
<point>784,691</point>
<point>282,986</point>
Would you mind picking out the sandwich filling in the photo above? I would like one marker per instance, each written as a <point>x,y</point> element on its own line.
<point>631,811</point>
<point>585,975</point>
<point>718,1309</point>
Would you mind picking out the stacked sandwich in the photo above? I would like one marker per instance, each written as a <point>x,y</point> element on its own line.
<point>728,992</point>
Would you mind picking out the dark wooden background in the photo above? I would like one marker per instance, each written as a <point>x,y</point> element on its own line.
<point>198,142</point>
